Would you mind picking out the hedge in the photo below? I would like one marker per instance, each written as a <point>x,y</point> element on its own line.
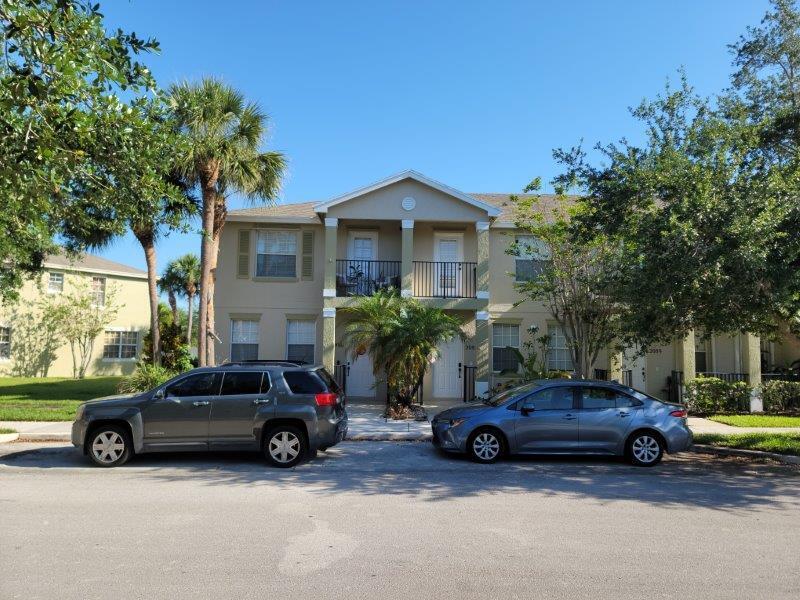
<point>780,396</point>
<point>707,395</point>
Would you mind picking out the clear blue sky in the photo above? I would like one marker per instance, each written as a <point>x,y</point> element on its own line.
<point>475,94</point>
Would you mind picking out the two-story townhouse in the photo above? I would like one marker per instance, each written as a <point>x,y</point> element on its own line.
<point>115,351</point>
<point>286,273</point>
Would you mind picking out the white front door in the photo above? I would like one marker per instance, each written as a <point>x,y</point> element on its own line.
<point>360,379</point>
<point>448,252</point>
<point>447,370</point>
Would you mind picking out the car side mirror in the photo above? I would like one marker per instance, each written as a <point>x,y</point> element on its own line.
<point>526,410</point>
<point>159,394</point>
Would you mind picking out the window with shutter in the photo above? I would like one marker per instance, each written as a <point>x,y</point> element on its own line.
<point>307,267</point>
<point>243,261</point>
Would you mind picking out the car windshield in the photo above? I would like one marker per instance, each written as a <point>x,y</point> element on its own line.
<point>511,393</point>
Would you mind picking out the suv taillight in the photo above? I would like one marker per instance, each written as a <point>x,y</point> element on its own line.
<point>327,399</point>
<point>681,414</point>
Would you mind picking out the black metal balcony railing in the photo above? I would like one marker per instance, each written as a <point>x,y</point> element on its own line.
<point>365,277</point>
<point>445,279</point>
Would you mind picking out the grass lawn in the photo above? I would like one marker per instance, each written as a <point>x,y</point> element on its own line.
<point>7,430</point>
<point>757,420</point>
<point>49,398</point>
<point>781,443</point>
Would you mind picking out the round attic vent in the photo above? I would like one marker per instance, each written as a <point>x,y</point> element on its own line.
<point>409,203</point>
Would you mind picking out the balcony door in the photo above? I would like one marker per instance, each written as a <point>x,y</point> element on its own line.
<point>362,252</point>
<point>448,254</point>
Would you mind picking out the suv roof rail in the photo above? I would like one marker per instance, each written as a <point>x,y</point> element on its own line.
<point>270,362</point>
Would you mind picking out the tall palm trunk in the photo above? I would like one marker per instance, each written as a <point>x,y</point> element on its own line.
<point>147,239</point>
<point>210,175</point>
<point>220,212</point>
<point>190,302</point>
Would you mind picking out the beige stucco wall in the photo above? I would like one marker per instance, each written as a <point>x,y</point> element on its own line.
<point>133,315</point>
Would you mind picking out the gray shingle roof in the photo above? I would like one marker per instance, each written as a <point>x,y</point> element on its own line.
<point>92,262</point>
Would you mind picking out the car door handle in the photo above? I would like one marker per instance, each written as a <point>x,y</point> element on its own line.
<point>200,403</point>
<point>569,417</point>
<point>261,401</point>
<point>624,414</point>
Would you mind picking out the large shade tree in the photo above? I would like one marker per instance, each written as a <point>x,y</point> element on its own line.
<point>223,157</point>
<point>64,130</point>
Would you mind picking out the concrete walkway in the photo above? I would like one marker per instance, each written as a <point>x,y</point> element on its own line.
<point>366,423</point>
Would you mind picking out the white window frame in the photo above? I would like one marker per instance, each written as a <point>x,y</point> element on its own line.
<point>6,344</point>
<point>263,233</point>
<point>497,328</point>
<point>555,333</point>
<point>101,293</point>
<point>313,343</point>
<point>60,288</point>
<point>119,345</point>
<point>257,327</point>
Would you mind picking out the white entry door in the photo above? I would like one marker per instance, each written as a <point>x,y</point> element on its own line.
<point>447,370</point>
<point>360,379</point>
<point>448,252</point>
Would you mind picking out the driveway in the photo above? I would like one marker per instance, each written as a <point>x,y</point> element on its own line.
<point>394,520</point>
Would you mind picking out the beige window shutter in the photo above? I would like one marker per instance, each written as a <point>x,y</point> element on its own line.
<point>307,269</point>
<point>243,261</point>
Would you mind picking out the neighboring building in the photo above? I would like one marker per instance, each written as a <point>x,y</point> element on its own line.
<point>115,351</point>
<point>285,273</point>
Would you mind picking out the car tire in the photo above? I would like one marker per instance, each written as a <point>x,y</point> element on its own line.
<point>109,446</point>
<point>486,446</point>
<point>285,446</point>
<point>645,449</point>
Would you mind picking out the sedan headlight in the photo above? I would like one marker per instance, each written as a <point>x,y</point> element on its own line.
<point>456,422</point>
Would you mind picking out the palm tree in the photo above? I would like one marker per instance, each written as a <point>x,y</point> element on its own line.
<point>402,337</point>
<point>183,277</point>
<point>171,284</point>
<point>223,157</point>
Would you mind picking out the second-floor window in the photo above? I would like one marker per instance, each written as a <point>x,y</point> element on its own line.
<point>5,343</point>
<point>55,282</point>
<point>276,254</point>
<point>559,358</point>
<point>505,336</point>
<point>99,291</point>
<point>531,258</point>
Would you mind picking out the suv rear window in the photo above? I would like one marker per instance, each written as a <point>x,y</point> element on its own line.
<point>304,382</point>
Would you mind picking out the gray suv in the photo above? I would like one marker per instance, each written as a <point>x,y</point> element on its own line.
<point>565,417</point>
<point>285,409</point>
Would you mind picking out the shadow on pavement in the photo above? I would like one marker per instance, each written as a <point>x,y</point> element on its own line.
<point>418,470</point>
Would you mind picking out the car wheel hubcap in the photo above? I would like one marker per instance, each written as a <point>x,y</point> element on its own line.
<point>645,449</point>
<point>108,446</point>
<point>284,446</point>
<point>486,446</point>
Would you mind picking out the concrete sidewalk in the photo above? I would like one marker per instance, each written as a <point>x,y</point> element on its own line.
<point>366,423</point>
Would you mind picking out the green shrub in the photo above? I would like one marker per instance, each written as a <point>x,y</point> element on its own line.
<point>145,377</point>
<point>706,395</point>
<point>780,396</point>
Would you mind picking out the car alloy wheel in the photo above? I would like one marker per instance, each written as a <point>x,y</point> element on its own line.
<point>646,450</point>
<point>486,447</point>
<point>109,447</point>
<point>284,447</point>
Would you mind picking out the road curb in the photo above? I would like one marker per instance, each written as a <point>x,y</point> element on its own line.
<point>8,437</point>
<point>389,437</point>
<point>44,437</point>
<point>756,454</point>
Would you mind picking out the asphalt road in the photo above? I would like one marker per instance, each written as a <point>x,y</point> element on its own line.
<point>394,520</point>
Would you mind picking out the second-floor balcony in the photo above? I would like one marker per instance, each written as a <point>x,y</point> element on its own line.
<point>429,279</point>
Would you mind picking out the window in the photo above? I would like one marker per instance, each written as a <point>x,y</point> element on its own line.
<point>598,398</point>
<point>55,282</point>
<point>242,382</point>
<point>300,339</point>
<point>276,254</point>
<point>304,382</point>
<point>503,336</point>
<point>201,384</point>
<point>244,340</point>
<point>120,344</point>
<point>701,354</point>
<point>5,343</point>
<point>559,357</point>
<point>99,291</point>
<point>532,255</point>
<point>555,398</point>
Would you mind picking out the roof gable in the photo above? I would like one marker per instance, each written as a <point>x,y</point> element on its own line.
<point>491,210</point>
